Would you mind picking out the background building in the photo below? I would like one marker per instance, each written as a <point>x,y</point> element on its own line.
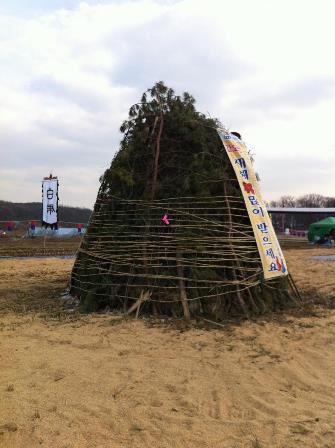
<point>297,218</point>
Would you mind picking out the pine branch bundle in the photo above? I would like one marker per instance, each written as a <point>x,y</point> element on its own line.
<point>170,223</point>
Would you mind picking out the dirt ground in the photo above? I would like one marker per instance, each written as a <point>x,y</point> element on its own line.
<point>21,247</point>
<point>70,381</point>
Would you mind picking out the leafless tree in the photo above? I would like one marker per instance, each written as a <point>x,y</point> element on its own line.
<point>307,200</point>
<point>284,201</point>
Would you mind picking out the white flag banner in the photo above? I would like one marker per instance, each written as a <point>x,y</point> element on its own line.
<point>273,261</point>
<point>50,201</point>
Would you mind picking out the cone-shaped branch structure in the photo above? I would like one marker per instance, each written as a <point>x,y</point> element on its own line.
<point>170,233</point>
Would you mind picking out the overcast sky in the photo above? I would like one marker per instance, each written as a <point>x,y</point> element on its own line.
<point>69,70</point>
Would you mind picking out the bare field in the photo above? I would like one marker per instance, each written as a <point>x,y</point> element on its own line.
<point>314,278</point>
<point>20,247</point>
<point>70,381</point>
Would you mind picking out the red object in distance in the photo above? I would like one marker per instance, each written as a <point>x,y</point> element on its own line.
<point>10,226</point>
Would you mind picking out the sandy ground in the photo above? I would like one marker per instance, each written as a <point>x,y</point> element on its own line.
<point>72,381</point>
<point>314,278</point>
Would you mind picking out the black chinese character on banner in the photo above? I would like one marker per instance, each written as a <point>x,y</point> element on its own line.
<point>50,209</point>
<point>50,193</point>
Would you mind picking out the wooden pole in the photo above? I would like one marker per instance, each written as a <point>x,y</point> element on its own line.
<point>230,222</point>
<point>294,287</point>
<point>157,153</point>
<point>45,237</point>
<point>144,296</point>
<point>153,189</point>
<point>182,289</point>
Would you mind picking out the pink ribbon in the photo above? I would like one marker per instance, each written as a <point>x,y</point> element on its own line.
<point>165,219</point>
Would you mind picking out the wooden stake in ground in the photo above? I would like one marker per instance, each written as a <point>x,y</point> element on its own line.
<point>230,222</point>
<point>136,306</point>
<point>182,289</point>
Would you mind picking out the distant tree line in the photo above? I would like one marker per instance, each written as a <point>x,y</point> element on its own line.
<point>25,211</point>
<point>307,200</point>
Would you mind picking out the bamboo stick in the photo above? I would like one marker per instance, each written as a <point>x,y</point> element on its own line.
<point>182,289</point>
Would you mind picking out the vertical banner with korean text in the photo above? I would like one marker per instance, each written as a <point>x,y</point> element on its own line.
<point>272,258</point>
<point>50,202</point>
